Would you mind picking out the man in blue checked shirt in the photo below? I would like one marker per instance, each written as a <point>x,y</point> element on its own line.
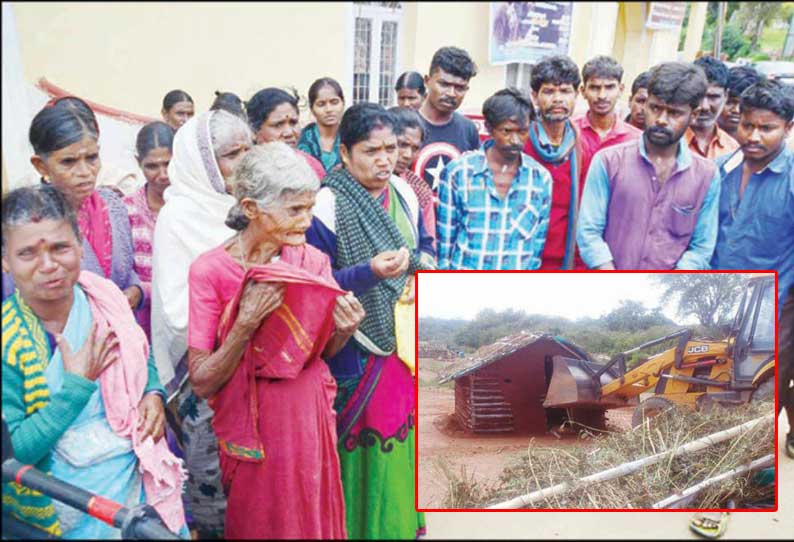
<point>494,203</point>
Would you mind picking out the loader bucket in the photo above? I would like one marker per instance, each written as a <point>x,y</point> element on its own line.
<point>573,386</point>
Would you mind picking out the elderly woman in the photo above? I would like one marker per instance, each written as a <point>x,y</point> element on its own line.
<point>153,152</point>
<point>66,155</point>
<point>368,222</point>
<point>81,394</point>
<point>271,393</point>
<point>206,150</point>
<point>274,116</point>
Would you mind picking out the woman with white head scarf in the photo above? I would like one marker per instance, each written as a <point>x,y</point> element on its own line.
<point>206,150</point>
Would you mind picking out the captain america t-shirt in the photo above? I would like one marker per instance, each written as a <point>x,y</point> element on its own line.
<point>443,144</point>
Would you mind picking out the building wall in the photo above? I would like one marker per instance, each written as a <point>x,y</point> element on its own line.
<point>128,55</point>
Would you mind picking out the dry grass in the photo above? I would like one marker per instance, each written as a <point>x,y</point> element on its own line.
<point>544,467</point>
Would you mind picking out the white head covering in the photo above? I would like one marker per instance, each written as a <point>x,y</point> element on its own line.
<point>190,223</point>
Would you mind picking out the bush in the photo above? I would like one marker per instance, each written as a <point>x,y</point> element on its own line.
<point>734,43</point>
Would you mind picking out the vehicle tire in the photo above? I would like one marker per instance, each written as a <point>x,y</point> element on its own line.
<point>651,407</point>
<point>765,391</point>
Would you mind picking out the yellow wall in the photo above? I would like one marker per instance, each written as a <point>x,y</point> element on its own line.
<point>128,55</point>
<point>694,35</point>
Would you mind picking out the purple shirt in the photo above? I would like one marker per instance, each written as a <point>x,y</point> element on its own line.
<point>628,217</point>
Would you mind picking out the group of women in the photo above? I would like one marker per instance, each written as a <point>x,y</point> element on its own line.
<point>264,266</point>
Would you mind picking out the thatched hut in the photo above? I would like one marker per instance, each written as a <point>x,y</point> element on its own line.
<point>502,386</point>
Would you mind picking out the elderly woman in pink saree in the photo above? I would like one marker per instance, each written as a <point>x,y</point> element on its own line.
<point>264,308</point>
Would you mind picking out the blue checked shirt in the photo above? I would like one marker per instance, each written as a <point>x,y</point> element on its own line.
<point>478,229</point>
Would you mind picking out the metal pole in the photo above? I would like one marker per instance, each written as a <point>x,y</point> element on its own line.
<point>721,9</point>
<point>632,466</point>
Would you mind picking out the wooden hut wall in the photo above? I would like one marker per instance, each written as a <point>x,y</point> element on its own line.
<point>505,395</point>
<point>521,376</point>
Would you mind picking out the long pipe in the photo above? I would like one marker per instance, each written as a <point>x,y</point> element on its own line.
<point>765,461</point>
<point>632,466</point>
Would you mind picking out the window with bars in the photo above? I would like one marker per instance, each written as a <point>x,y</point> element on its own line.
<point>361,66</point>
<point>375,51</point>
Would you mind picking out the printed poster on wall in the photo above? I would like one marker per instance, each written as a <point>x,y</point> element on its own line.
<point>528,31</point>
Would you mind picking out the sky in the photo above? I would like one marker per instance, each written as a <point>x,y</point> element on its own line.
<point>571,295</point>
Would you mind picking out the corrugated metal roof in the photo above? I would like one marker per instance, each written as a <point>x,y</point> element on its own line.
<point>505,346</point>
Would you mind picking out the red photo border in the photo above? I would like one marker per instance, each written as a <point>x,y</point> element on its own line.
<point>531,510</point>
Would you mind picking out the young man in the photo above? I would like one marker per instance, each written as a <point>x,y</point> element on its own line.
<point>652,203</point>
<point>704,136</point>
<point>740,78</point>
<point>448,133</point>
<point>410,136</point>
<point>756,211</point>
<point>600,127</point>
<point>554,144</point>
<point>639,95</point>
<point>494,202</point>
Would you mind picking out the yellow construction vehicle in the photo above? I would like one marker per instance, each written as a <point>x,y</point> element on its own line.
<point>694,374</point>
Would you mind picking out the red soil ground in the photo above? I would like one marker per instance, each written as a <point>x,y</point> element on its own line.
<point>484,456</point>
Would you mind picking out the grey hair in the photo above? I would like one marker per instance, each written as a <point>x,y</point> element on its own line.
<point>266,174</point>
<point>224,127</point>
<point>31,204</point>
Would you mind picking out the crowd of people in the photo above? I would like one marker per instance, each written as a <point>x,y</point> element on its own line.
<point>222,341</point>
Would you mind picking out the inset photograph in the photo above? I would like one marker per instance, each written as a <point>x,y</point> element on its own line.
<point>596,391</point>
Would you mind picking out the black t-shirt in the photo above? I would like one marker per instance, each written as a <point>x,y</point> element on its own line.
<point>443,144</point>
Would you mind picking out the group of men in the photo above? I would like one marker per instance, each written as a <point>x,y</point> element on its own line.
<point>697,176</point>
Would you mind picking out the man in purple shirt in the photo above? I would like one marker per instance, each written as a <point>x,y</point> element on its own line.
<point>652,203</point>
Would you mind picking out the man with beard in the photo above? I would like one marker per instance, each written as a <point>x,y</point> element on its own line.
<point>704,136</point>
<point>652,203</point>
<point>600,127</point>
<point>740,78</point>
<point>639,95</point>
<point>554,143</point>
<point>756,211</point>
<point>494,202</point>
<point>756,226</point>
<point>448,133</point>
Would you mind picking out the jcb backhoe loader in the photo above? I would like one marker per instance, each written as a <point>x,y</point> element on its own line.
<point>693,374</point>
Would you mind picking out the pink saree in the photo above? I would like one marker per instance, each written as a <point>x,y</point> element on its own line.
<point>274,418</point>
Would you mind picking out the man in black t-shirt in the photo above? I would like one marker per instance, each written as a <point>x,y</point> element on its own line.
<point>448,134</point>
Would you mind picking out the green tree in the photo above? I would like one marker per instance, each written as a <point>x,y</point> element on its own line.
<point>734,43</point>
<point>708,297</point>
<point>752,17</point>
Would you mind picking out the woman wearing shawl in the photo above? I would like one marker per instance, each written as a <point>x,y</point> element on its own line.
<point>64,137</point>
<point>368,222</point>
<point>206,150</point>
<point>321,139</point>
<point>264,307</point>
<point>81,394</point>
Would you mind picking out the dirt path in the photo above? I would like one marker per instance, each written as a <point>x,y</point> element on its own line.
<point>484,456</point>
